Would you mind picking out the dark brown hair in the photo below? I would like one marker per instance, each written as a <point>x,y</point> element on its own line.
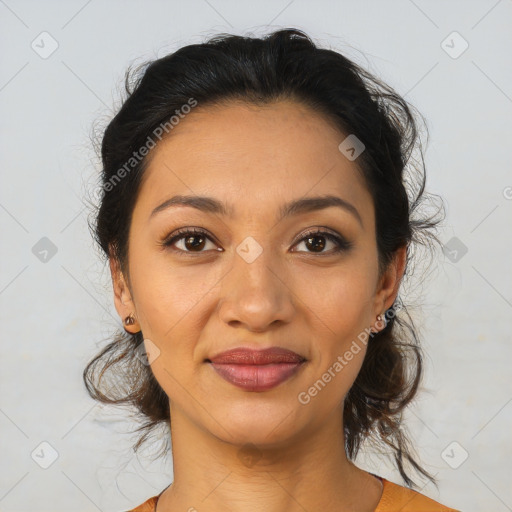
<point>286,64</point>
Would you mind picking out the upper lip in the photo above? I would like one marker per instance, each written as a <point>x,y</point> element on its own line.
<point>272,355</point>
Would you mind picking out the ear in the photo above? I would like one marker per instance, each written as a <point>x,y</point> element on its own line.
<point>122,296</point>
<point>389,283</point>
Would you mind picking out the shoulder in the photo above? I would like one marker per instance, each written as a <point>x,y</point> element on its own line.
<point>396,497</point>
<point>147,506</point>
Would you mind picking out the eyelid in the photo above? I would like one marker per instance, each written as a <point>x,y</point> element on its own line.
<point>316,230</point>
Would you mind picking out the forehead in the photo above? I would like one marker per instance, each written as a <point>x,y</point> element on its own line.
<point>252,156</point>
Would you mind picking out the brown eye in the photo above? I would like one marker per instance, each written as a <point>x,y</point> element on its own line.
<point>316,242</point>
<point>194,240</point>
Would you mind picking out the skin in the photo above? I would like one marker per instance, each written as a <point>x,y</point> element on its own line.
<point>197,305</point>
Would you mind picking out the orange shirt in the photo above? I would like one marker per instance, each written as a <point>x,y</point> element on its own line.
<point>395,498</point>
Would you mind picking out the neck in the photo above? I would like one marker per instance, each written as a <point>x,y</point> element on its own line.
<point>309,472</point>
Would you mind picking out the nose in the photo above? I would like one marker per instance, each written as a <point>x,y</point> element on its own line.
<point>256,295</point>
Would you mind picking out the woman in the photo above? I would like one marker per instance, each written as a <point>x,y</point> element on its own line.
<point>256,216</point>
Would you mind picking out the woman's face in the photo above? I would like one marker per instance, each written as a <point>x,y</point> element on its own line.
<point>255,278</point>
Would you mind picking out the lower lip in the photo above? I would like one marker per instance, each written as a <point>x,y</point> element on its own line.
<point>252,377</point>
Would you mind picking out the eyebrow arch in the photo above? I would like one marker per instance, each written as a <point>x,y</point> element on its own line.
<point>295,207</point>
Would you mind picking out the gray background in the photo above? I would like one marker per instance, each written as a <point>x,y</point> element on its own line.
<point>56,313</point>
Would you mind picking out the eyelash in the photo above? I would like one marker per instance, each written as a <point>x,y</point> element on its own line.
<point>340,242</point>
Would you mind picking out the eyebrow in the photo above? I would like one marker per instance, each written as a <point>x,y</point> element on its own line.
<point>296,207</point>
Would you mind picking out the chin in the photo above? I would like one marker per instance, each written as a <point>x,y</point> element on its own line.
<point>266,425</point>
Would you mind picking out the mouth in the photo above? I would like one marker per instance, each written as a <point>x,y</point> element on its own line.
<point>248,356</point>
<point>257,370</point>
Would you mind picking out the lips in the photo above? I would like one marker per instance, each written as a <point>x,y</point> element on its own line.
<point>273,355</point>
<point>257,370</point>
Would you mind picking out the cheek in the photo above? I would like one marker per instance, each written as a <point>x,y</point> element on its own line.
<point>338,308</point>
<point>168,295</point>
<point>340,300</point>
<point>170,302</point>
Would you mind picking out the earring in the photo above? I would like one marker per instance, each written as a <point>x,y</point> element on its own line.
<point>381,318</point>
<point>129,320</point>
